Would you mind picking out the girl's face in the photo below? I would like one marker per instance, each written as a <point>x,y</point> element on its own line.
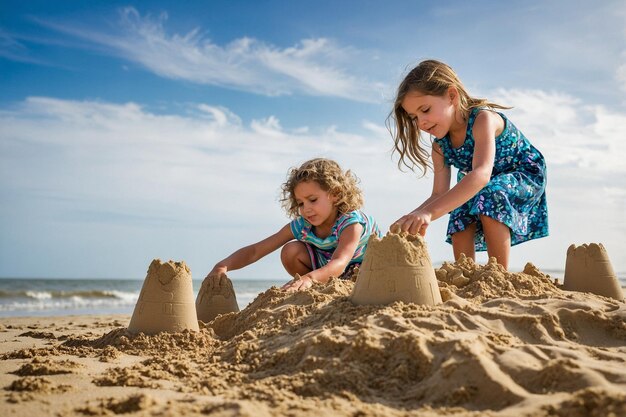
<point>315,205</point>
<point>433,114</point>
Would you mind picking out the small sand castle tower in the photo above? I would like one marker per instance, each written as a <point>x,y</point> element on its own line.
<point>166,300</point>
<point>588,269</point>
<point>396,268</point>
<point>216,296</point>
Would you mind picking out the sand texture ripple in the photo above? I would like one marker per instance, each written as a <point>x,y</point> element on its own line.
<point>500,344</point>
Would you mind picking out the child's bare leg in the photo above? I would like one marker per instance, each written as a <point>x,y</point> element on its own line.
<point>498,239</point>
<point>295,258</point>
<point>463,242</point>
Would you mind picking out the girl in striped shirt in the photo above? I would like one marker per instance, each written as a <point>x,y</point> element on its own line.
<point>327,236</point>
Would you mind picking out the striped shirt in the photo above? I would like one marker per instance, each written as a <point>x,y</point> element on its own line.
<point>321,249</point>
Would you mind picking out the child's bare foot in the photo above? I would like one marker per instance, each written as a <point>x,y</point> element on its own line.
<point>216,296</point>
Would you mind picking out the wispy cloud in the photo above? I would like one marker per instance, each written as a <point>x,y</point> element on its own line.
<point>13,49</point>
<point>318,67</point>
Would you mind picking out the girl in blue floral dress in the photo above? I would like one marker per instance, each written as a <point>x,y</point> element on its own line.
<point>499,199</point>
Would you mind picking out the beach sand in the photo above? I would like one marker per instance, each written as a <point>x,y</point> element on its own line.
<point>499,344</point>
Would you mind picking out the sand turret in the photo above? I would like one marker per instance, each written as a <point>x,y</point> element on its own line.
<point>588,269</point>
<point>166,302</point>
<point>216,296</point>
<point>396,268</point>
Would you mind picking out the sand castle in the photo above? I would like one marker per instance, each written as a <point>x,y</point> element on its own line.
<point>216,296</point>
<point>165,303</point>
<point>396,268</point>
<point>588,269</point>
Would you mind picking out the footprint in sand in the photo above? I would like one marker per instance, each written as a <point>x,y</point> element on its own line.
<point>216,296</point>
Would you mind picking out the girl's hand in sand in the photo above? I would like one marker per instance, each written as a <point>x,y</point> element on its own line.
<point>298,283</point>
<point>415,222</point>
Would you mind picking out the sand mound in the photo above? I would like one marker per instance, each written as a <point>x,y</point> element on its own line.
<point>46,366</point>
<point>478,283</point>
<point>132,404</point>
<point>501,344</point>
<point>501,339</point>
<point>460,353</point>
<point>26,388</point>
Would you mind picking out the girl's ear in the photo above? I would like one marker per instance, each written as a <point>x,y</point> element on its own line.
<point>453,93</point>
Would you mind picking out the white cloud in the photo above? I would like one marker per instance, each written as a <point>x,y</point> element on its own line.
<point>221,115</point>
<point>312,66</point>
<point>567,131</point>
<point>376,128</point>
<point>268,127</point>
<point>123,157</point>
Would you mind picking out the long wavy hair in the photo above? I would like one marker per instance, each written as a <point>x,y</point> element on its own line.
<point>433,78</point>
<point>330,177</point>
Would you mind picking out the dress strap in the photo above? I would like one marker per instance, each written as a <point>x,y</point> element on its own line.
<point>470,121</point>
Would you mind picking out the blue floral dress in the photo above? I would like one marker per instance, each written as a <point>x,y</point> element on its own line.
<point>515,195</point>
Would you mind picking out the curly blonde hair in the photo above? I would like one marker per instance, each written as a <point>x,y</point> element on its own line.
<point>330,177</point>
<point>433,78</point>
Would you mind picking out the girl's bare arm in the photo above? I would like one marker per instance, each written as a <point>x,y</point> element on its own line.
<point>252,253</point>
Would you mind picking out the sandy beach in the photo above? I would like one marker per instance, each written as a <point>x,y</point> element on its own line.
<point>500,344</point>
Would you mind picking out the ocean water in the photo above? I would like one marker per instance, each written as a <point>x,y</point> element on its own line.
<point>54,297</point>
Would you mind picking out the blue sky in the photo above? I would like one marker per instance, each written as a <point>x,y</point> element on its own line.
<point>139,130</point>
